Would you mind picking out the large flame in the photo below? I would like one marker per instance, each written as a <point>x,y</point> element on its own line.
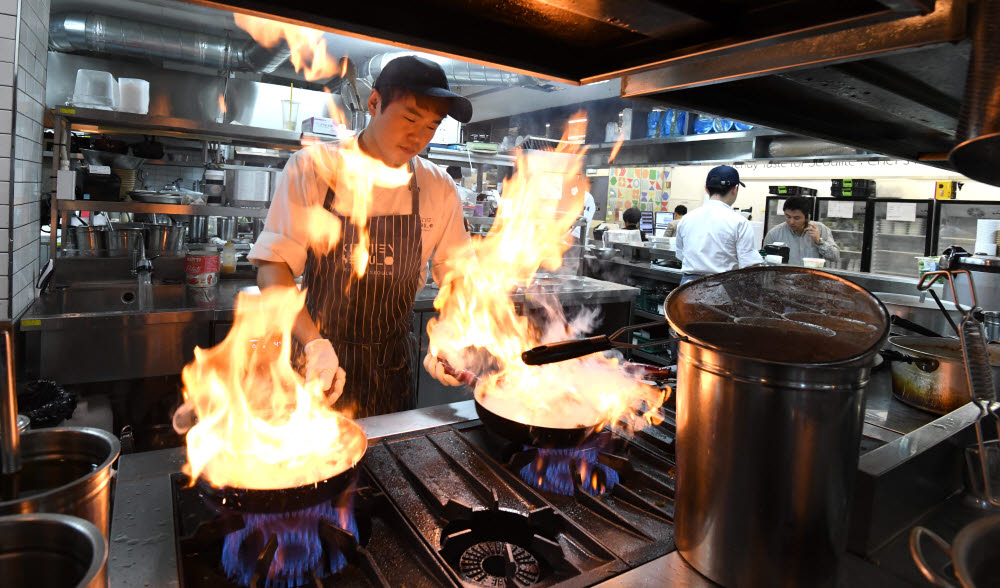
<point>308,47</point>
<point>478,320</point>
<point>261,425</point>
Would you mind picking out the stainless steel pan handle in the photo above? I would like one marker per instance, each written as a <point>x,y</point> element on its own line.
<point>10,437</point>
<point>916,551</point>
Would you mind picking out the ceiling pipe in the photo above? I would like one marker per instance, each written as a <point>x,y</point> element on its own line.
<point>458,73</point>
<point>103,34</point>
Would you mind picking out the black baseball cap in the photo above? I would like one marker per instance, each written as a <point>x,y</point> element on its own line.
<point>422,76</point>
<point>723,176</point>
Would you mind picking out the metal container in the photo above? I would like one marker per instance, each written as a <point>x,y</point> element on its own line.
<point>198,229</point>
<point>974,553</point>
<point>67,471</point>
<point>52,551</point>
<point>23,423</point>
<point>164,239</point>
<point>991,321</point>
<point>123,240</point>
<point>90,241</point>
<point>936,381</point>
<point>226,228</point>
<point>926,313</point>
<point>767,447</point>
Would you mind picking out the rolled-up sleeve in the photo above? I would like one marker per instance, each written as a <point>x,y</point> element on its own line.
<point>746,252</point>
<point>827,247</point>
<point>285,236</point>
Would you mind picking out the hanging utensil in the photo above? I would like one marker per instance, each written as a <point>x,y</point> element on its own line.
<point>978,370</point>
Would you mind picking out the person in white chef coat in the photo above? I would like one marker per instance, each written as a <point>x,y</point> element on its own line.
<point>714,238</point>
<point>357,330</point>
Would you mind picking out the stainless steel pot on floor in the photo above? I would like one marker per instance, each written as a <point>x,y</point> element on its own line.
<point>52,551</point>
<point>769,417</point>
<point>66,471</point>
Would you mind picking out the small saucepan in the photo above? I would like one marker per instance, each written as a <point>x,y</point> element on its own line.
<point>929,373</point>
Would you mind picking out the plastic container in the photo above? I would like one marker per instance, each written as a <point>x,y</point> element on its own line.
<point>791,191</point>
<point>134,95</point>
<point>228,258</point>
<point>813,262</point>
<point>96,89</point>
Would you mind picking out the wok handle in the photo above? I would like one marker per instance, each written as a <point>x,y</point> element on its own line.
<point>555,352</point>
<point>912,326</point>
<point>924,364</point>
<point>918,554</point>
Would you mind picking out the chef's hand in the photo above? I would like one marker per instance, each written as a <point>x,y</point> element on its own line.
<point>323,367</point>
<point>813,232</point>
<point>184,418</point>
<point>436,370</point>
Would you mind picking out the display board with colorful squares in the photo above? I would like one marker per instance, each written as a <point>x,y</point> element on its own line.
<point>645,187</point>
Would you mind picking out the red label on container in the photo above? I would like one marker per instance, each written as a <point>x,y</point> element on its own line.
<point>202,270</point>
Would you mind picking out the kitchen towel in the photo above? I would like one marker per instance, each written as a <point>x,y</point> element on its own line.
<point>986,236</point>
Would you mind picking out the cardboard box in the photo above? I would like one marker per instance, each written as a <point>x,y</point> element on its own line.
<point>320,126</point>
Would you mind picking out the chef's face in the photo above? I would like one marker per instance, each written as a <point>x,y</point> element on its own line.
<point>401,130</point>
<point>796,220</point>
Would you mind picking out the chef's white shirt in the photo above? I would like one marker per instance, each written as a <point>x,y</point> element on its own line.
<point>589,208</point>
<point>304,183</point>
<point>714,238</point>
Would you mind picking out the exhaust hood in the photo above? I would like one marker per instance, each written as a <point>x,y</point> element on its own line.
<point>887,76</point>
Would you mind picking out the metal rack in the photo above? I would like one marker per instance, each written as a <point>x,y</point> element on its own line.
<point>65,119</point>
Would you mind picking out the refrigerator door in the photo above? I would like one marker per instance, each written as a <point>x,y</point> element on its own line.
<point>900,235</point>
<point>846,220</point>
<point>773,215</point>
<point>956,222</point>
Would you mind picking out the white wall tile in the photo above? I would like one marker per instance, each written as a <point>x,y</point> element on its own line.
<point>25,277</point>
<point>4,169</point>
<point>4,246</point>
<point>22,300</point>
<point>24,214</point>
<point>6,117</point>
<point>27,254</point>
<point>6,73</point>
<point>8,26</point>
<point>4,213</point>
<point>8,7</point>
<point>4,309</point>
<point>4,152</point>
<point>26,234</point>
<point>25,192</point>
<point>6,49</point>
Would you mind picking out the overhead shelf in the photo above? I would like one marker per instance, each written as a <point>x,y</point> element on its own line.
<point>456,156</point>
<point>111,122</point>
<point>149,208</point>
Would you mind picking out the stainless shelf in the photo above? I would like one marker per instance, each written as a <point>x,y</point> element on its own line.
<point>106,121</point>
<point>144,207</point>
<point>438,154</point>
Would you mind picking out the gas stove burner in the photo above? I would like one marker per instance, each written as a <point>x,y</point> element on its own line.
<point>286,547</point>
<point>561,471</point>
<point>497,563</point>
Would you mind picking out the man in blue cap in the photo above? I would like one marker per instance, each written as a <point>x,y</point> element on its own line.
<point>357,330</point>
<point>714,238</point>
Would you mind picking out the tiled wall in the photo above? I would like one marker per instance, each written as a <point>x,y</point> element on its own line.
<point>23,37</point>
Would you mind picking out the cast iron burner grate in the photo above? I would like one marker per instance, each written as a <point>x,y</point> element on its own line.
<point>487,562</point>
<point>381,552</point>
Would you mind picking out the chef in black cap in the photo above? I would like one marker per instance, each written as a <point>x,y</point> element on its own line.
<point>356,331</point>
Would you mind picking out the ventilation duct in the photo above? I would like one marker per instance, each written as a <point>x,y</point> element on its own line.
<point>459,73</point>
<point>978,152</point>
<point>102,34</point>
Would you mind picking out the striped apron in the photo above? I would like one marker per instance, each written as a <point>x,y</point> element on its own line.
<point>369,320</point>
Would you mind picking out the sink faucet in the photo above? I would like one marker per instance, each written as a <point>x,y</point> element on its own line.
<point>141,263</point>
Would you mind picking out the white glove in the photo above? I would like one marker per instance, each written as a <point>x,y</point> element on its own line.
<point>436,370</point>
<point>323,367</point>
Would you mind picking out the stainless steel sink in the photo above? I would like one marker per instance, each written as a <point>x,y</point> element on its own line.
<point>114,297</point>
